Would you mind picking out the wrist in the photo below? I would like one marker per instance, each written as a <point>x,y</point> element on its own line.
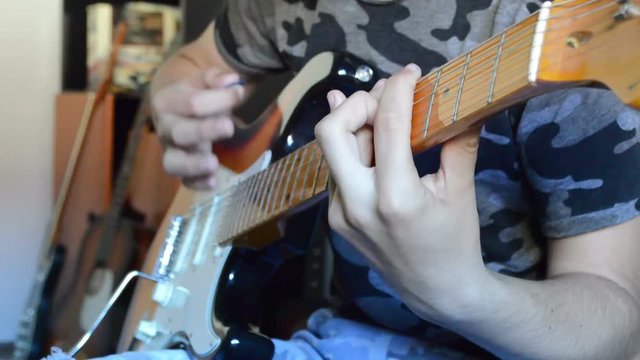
<point>457,296</point>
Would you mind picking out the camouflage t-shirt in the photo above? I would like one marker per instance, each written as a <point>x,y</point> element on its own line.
<point>565,164</point>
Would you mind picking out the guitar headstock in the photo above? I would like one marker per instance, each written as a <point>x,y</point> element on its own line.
<point>593,41</point>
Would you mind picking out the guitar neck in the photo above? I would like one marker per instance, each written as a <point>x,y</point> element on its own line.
<point>448,101</point>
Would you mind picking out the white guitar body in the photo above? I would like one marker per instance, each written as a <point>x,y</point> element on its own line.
<point>187,299</point>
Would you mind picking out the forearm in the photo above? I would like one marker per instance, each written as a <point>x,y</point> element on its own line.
<point>574,316</point>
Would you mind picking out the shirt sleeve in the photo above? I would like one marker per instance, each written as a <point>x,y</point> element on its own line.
<point>581,154</point>
<point>245,35</point>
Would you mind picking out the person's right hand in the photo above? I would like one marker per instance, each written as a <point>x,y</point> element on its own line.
<point>190,116</point>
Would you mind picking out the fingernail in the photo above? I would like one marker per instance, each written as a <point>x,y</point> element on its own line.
<point>379,83</point>
<point>332,99</point>
<point>229,80</point>
<point>239,82</point>
<point>414,68</point>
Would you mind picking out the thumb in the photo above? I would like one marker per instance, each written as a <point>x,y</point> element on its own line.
<point>458,159</point>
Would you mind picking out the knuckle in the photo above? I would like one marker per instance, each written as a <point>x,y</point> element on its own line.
<point>391,208</point>
<point>180,134</point>
<point>168,163</point>
<point>360,95</point>
<point>192,106</point>
<point>195,166</point>
<point>322,128</point>
<point>354,218</point>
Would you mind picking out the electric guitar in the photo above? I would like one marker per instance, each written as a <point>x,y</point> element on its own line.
<point>195,300</point>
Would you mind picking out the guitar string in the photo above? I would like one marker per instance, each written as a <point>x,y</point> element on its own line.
<point>487,53</point>
<point>455,79</point>
<point>230,191</point>
<point>522,30</point>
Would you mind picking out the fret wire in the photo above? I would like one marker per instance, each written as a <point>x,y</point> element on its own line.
<point>459,95</point>
<point>494,74</point>
<point>301,163</point>
<point>314,171</point>
<point>325,186</point>
<point>483,48</point>
<point>260,186</point>
<point>286,184</point>
<point>459,113</point>
<point>283,171</point>
<point>222,219</point>
<point>315,179</point>
<point>276,173</point>
<point>229,211</point>
<point>433,97</point>
<point>268,178</point>
<point>246,208</point>
<point>308,172</point>
<point>242,189</point>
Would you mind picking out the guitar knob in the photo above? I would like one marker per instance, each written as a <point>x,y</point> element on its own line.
<point>168,295</point>
<point>147,331</point>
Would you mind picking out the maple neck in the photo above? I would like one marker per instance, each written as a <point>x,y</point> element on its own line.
<point>446,102</point>
<point>513,66</point>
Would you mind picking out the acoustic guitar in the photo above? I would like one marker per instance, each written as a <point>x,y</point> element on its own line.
<point>197,299</point>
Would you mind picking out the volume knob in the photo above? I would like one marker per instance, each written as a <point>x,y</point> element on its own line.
<point>169,295</point>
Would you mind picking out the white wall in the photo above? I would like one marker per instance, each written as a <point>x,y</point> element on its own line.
<point>30,63</point>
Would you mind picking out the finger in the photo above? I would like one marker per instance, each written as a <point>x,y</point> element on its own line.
<point>185,100</point>
<point>335,133</point>
<point>188,165</point>
<point>202,79</point>
<point>207,182</point>
<point>364,137</point>
<point>335,98</point>
<point>378,89</point>
<point>458,160</point>
<point>392,132</point>
<point>215,79</point>
<point>214,101</point>
<point>191,132</point>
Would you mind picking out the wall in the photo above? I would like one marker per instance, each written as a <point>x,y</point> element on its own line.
<point>29,78</point>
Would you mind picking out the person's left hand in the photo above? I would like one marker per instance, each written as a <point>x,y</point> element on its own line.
<point>421,234</point>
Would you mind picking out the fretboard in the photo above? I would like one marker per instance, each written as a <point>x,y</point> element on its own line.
<point>447,101</point>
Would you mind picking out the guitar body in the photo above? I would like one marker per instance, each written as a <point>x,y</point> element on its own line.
<point>216,292</point>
